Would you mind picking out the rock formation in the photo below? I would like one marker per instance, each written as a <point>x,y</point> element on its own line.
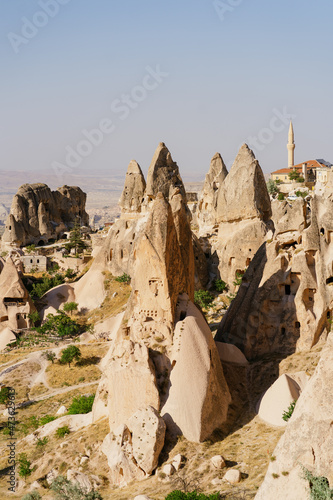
<point>285,300</point>
<point>132,196</point>
<point>308,439</point>
<point>206,213</point>
<point>38,215</point>
<point>164,348</point>
<point>15,303</point>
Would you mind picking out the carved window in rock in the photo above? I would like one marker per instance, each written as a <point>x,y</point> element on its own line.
<point>155,286</point>
<point>152,314</point>
<point>308,297</point>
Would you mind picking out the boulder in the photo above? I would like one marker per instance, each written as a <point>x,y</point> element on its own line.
<point>233,476</point>
<point>218,462</point>
<point>168,470</point>
<point>7,337</point>
<point>62,410</point>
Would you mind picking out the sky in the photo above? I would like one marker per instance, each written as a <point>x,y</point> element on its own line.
<point>88,85</point>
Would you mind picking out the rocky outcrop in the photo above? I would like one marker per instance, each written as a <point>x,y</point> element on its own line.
<point>198,398</point>
<point>285,300</point>
<point>133,449</point>
<point>163,175</point>
<point>243,212</point>
<point>132,196</point>
<point>38,214</point>
<point>308,439</point>
<point>15,302</point>
<point>206,212</point>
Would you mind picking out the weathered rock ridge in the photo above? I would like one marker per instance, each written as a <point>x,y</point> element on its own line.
<point>38,214</point>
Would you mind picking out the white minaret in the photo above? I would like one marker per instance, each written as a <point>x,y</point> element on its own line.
<point>291,146</point>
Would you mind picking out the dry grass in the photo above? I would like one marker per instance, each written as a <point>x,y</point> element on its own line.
<point>302,361</point>
<point>83,371</point>
<point>111,305</point>
<point>20,378</point>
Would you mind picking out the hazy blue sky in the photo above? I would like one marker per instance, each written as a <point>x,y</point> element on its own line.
<point>225,69</point>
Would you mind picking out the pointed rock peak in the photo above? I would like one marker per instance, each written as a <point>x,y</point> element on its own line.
<point>163,174</point>
<point>11,285</point>
<point>244,194</point>
<point>217,166</point>
<point>134,168</point>
<point>134,189</point>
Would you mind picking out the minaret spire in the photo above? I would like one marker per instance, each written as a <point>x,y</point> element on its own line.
<point>291,146</point>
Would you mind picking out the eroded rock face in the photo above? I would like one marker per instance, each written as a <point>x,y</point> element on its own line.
<point>15,302</point>
<point>206,213</point>
<point>308,439</point>
<point>132,196</point>
<point>198,398</point>
<point>133,450</point>
<point>163,175</point>
<point>128,383</point>
<point>285,301</point>
<point>38,214</point>
<point>240,211</point>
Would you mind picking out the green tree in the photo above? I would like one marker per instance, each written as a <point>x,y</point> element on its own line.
<point>272,187</point>
<point>69,354</point>
<point>81,404</point>
<point>50,356</point>
<point>281,197</point>
<point>60,324</point>
<point>34,317</point>
<point>70,307</point>
<point>203,298</point>
<point>295,176</point>
<point>70,273</point>
<point>220,285</point>
<point>75,240</point>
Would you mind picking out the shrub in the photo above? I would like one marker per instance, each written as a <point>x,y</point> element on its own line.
<point>60,324</point>
<point>66,490</point>
<point>281,197</point>
<point>39,289</point>
<point>69,354</point>
<point>220,285</point>
<point>70,307</point>
<point>319,486</point>
<point>301,194</point>
<point>33,495</point>
<point>42,442</point>
<point>238,278</point>
<point>203,298</point>
<point>34,317</point>
<point>4,395</point>
<point>46,419</point>
<point>24,465</point>
<point>287,414</point>
<point>30,248</point>
<point>70,273</point>
<point>124,278</point>
<point>272,187</point>
<point>295,176</point>
<point>81,404</point>
<point>62,431</point>
<point>180,495</point>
